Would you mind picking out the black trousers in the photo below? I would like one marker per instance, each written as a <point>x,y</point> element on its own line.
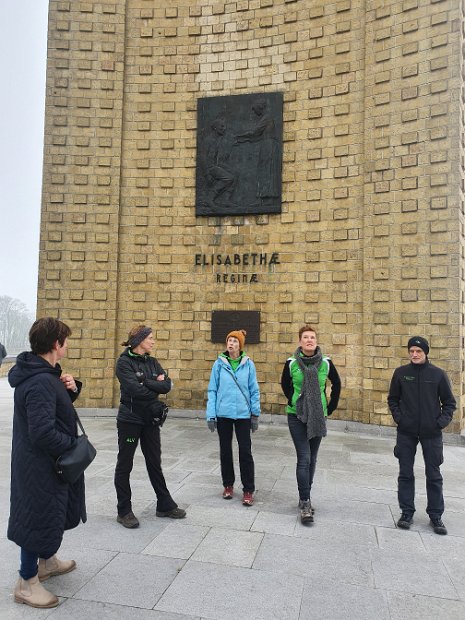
<point>307,452</point>
<point>225,428</point>
<point>128,439</point>
<point>404,451</point>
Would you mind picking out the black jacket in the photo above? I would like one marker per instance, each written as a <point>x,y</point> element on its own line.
<point>420,399</point>
<point>137,375</point>
<point>44,426</point>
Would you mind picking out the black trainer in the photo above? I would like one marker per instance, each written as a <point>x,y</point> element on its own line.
<point>438,526</point>
<point>129,520</point>
<point>175,513</point>
<point>405,521</point>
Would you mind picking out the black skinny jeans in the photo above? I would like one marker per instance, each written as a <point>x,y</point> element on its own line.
<point>225,433</point>
<point>307,451</point>
<point>128,438</point>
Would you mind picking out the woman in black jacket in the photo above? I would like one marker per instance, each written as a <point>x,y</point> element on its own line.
<point>141,379</point>
<point>44,427</point>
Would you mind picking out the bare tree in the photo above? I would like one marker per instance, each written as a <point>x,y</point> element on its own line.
<point>15,322</point>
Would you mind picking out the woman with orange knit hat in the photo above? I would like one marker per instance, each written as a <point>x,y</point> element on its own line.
<point>234,404</point>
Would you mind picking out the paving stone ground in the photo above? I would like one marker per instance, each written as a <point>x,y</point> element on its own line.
<point>227,561</point>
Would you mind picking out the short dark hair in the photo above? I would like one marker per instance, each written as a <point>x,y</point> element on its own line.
<point>45,332</point>
<point>306,328</point>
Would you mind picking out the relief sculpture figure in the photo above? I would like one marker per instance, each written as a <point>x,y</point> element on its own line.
<point>219,179</point>
<point>268,165</point>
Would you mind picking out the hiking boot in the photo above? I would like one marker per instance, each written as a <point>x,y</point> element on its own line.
<point>176,513</point>
<point>438,526</point>
<point>228,492</point>
<point>313,507</point>
<point>53,566</point>
<point>306,512</point>
<point>247,498</point>
<point>129,520</point>
<point>405,521</point>
<point>31,592</point>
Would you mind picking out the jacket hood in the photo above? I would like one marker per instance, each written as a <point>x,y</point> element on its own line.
<point>224,358</point>
<point>29,365</point>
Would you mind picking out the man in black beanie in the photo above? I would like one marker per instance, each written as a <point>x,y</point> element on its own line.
<point>422,404</point>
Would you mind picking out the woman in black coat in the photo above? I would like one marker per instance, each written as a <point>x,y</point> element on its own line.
<point>142,379</point>
<point>44,427</point>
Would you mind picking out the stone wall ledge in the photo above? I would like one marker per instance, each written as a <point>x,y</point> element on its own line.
<point>342,426</point>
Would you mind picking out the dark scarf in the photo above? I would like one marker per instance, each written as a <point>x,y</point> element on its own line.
<point>309,408</point>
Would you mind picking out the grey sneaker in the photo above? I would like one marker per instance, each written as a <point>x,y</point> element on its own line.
<point>176,513</point>
<point>306,512</point>
<point>129,520</point>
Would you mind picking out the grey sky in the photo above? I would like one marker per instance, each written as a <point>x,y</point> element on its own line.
<point>23,50</point>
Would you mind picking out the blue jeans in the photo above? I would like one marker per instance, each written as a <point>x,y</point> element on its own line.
<point>307,451</point>
<point>29,566</point>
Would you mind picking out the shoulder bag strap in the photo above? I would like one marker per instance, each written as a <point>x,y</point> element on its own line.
<point>242,392</point>
<point>79,422</point>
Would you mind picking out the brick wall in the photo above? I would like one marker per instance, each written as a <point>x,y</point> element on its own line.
<point>370,238</point>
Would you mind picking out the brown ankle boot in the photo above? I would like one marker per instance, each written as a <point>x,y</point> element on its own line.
<point>53,566</point>
<point>31,592</point>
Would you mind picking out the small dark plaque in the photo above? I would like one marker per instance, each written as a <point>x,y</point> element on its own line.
<point>239,154</point>
<point>225,321</point>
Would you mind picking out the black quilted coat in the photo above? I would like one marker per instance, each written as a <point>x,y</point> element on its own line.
<point>42,506</point>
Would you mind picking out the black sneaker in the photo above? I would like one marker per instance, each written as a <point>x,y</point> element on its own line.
<point>438,526</point>
<point>176,513</point>
<point>129,520</point>
<point>405,521</point>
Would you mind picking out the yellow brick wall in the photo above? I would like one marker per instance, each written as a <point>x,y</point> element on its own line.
<point>370,238</point>
<point>81,189</point>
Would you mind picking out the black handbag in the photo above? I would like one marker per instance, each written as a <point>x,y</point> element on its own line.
<point>72,464</point>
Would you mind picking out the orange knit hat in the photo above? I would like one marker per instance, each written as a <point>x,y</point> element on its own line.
<point>240,334</point>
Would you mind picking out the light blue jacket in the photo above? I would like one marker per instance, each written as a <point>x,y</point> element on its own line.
<point>225,399</point>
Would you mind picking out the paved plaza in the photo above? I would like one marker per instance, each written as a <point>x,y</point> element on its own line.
<point>227,561</point>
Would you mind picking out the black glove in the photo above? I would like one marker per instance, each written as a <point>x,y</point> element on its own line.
<point>212,424</point>
<point>254,423</point>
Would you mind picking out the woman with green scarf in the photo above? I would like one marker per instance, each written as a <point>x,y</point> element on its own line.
<point>303,382</point>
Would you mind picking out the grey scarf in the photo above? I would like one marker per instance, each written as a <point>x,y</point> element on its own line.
<point>309,407</point>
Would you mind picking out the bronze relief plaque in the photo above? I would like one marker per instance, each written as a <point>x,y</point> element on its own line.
<point>239,154</point>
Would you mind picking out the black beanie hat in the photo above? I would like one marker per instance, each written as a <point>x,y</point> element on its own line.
<point>419,341</point>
